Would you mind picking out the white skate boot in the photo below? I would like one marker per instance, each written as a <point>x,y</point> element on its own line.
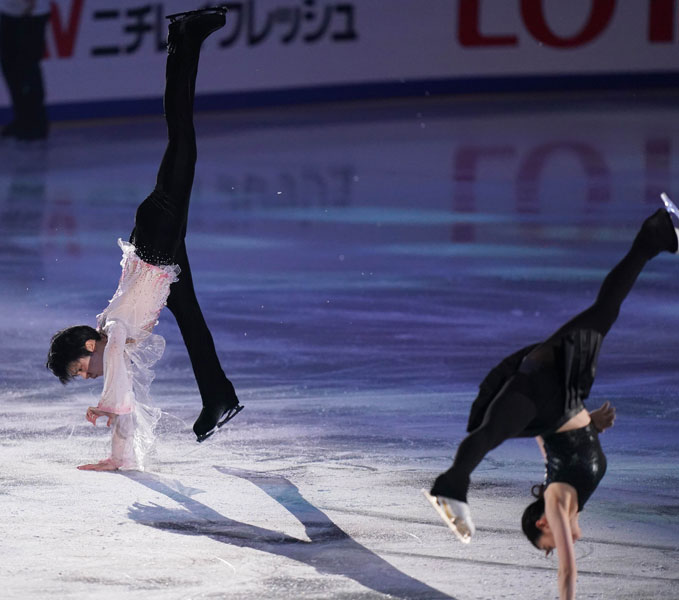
<point>456,515</point>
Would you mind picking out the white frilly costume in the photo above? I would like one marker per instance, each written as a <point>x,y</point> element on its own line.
<point>130,352</point>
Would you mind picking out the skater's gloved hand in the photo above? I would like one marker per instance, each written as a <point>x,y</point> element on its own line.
<point>603,417</point>
<point>103,465</point>
<point>94,413</point>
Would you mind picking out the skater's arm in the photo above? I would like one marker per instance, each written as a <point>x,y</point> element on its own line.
<point>117,402</point>
<point>603,417</point>
<point>122,445</point>
<point>557,513</point>
<point>117,398</point>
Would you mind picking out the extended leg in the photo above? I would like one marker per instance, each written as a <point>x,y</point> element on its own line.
<point>507,416</point>
<point>216,390</point>
<point>656,235</point>
<point>160,223</point>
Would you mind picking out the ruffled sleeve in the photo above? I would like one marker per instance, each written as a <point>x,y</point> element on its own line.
<point>134,422</point>
<point>118,395</point>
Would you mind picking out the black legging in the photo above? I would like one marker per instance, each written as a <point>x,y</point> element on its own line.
<point>516,406</point>
<point>160,222</point>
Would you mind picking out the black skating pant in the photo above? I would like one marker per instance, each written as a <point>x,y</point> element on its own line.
<point>22,45</point>
<point>514,408</point>
<point>161,219</point>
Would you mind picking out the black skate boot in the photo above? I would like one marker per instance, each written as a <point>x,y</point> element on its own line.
<point>194,26</point>
<point>657,233</point>
<point>215,414</point>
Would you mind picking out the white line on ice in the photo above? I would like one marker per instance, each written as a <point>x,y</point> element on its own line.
<point>227,563</point>
<point>413,535</point>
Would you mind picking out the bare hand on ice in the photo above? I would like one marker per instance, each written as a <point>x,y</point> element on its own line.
<point>102,465</point>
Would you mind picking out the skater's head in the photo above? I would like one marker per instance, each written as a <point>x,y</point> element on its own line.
<point>76,351</point>
<point>534,514</point>
<point>536,525</point>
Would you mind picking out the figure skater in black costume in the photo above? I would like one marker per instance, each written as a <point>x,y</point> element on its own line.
<point>540,391</point>
<point>155,264</point>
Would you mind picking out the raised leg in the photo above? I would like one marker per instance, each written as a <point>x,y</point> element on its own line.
<point>161,220</point>
<point>656,235</point>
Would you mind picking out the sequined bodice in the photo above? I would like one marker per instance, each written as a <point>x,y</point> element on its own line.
<point>575,457</point>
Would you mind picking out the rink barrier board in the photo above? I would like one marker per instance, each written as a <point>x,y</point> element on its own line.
<point>342,93</point>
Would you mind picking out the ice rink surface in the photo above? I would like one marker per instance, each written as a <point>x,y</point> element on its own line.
<point>362,266</point>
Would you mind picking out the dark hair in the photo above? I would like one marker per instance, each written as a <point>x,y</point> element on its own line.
<point>532,513</point>
<point>68,345</point>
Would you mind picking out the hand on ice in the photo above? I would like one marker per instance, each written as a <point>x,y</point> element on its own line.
<point>603,417</point>
<point>102,465</point>
<point>94,413</point>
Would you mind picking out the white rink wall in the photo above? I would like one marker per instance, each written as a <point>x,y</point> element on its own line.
<point>106,51</point>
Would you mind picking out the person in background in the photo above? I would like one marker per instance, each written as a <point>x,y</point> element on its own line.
<point>22,46</point>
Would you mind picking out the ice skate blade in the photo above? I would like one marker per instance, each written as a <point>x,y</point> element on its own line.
<point>457,525</point>
<point>671,208</point>
<point>226,417</point>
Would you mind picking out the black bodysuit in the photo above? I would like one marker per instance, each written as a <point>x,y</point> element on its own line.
<point>575,457</point>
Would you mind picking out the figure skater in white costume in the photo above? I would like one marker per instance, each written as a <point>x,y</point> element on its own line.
<point>155,271</point>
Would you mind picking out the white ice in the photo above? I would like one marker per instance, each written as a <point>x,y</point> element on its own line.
<point>361,267</point>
